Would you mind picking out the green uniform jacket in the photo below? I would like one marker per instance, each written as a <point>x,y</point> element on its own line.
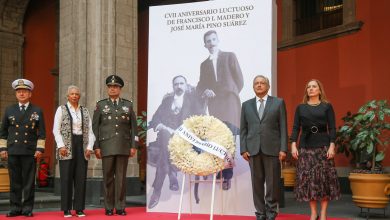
<point>115,127</point>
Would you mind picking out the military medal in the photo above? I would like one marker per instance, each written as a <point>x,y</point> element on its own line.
<point>125,109</point>
<point>12,119</point>
<point>34,116</point>
<point>109,117</point>
<point>106,109</point>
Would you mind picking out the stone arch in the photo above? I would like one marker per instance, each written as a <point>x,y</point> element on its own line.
<point>12,15</point>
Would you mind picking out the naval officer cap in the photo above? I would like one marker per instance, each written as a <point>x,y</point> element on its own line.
<point>22,84</point>
<point>114,80</point>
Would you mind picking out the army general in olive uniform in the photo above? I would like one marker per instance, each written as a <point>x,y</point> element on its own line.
<point>114,125</point>
<point>22,141</point>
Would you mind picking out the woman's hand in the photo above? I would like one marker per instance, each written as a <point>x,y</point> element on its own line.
<point>294,150</point>
<point>331,152</point>
<point>87,154</point>
<point>63,151</point>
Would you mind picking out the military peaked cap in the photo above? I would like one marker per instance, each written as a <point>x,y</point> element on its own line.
<point>22,84</point>
<point>114,80</point>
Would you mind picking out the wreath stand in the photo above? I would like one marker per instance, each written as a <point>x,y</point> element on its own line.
<point>214,181</point>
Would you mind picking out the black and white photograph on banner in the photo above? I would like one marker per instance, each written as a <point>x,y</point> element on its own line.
<point>203,57</point>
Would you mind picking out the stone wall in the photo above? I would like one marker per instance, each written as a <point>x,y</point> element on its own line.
<point>11,48</point>
<point>98,38</point>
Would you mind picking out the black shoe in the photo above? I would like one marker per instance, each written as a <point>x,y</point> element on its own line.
<point>13,213</point>
<point>226,184</point>
<point>80,213</point>
<point>271,215</point>
<point>28,214</point>
<point>67,214</point>
<point>154,199</point>
<point>109,212</point>
<point>174,186</point>
<point>121,212</point>
<point>260,216</point>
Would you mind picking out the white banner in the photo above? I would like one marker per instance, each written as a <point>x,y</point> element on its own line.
<point>208,146</point>
<point>203,57</point>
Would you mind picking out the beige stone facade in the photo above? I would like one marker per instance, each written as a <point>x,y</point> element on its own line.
<point>97,38</point>
<point>11,47</point>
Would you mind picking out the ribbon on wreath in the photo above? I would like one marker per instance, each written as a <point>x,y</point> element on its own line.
<point>208,146</point>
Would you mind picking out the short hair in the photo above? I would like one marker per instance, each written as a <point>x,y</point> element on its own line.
<point>73,87</point>
<point>208,33</point>
<point>264,77</point>
<point>322,92</point>
<point>178,76</point>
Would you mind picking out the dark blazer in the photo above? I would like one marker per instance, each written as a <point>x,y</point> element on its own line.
<point>226,88</point>
<point>22,134</point>
<point>164,113</point>
<point>268,133</point>
<point>115,128</point>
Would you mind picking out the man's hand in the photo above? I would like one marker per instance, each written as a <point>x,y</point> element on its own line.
<point>4,155</point>
<point>63,151</point>
<point>98,154</point>
<point>132,152</point>
<point>246,156</point>
<point>87,154</point>
<point>282,155</point>
<point>208,93</point>
<point>160,127</point>
<point>38,155</point>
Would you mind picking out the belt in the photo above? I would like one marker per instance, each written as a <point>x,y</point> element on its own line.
<point>315,129</point>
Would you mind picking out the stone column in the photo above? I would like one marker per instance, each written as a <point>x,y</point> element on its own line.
<point>11,53</point>
<point>99,38</point>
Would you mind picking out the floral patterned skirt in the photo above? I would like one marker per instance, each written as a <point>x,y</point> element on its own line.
<point>316,176</point>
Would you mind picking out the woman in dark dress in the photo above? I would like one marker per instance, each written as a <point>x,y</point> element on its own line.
<point>316,175</point>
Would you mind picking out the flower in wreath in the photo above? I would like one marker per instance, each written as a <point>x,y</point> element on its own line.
<point>201,146</point>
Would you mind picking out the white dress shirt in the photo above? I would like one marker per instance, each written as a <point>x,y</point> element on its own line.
<point>258,103</point>
<point>25,106</point>
<point>115,101</point>
<point>76,126</point>
<point>177,103</point>
<point>214,58</point>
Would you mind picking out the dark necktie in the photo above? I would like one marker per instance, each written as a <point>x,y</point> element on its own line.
<point>115,104</point>
<point>261,108</point>
<point>23,109</point>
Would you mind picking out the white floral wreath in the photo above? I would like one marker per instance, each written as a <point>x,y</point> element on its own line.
<point>183,155</point>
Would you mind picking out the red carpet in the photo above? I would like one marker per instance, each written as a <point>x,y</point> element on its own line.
<point>140,213</point>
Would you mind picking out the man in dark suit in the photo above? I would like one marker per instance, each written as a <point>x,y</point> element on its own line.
<point>263,142</point>
<point>114,125</point>
<point>219,85</point>
<point>174,108</point>
<point>22,142</point>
